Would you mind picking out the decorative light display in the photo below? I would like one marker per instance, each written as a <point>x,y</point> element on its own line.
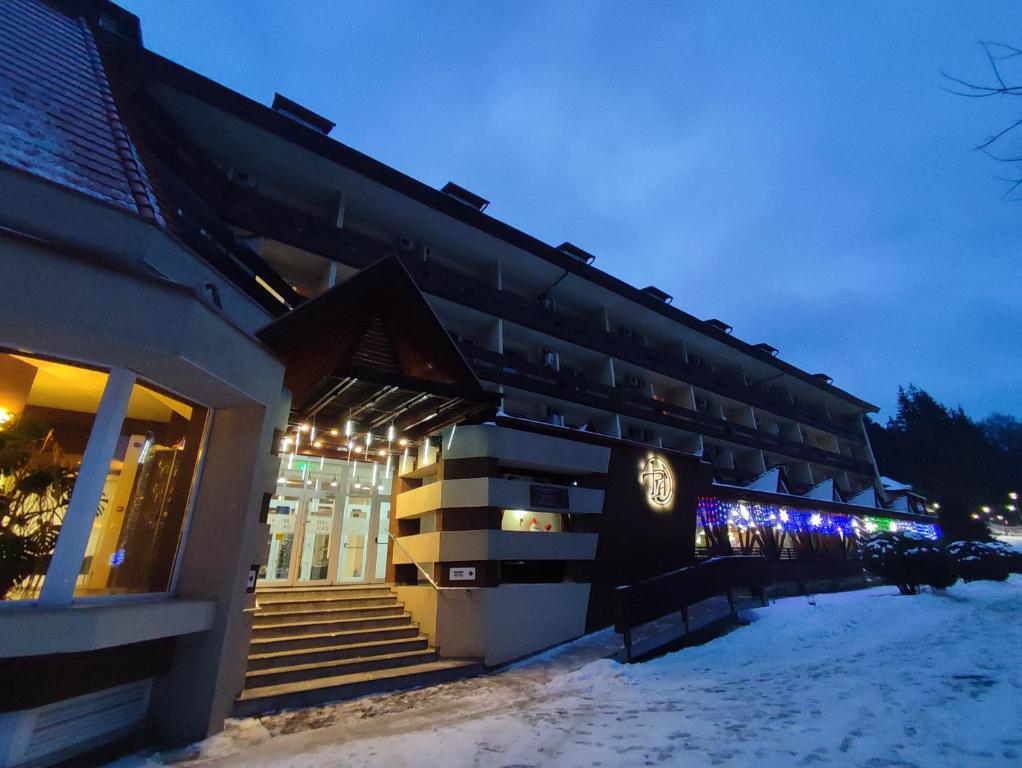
<point>873,524</point>
<point>742,515</point>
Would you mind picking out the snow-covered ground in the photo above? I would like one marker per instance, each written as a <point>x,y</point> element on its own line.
<point>865,678</point>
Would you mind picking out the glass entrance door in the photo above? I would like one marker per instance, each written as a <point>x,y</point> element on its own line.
<point>283,519</point>
<point>328,524</point>
<point>354,539</point>
<point>317,533</point>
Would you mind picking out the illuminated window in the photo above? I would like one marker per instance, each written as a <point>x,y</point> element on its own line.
<point>47,410</point>
<point>134,539</point>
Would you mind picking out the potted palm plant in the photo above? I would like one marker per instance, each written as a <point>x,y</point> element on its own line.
<point>36,481</point>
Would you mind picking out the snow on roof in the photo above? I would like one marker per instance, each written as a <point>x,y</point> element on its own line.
<point>893,485</point>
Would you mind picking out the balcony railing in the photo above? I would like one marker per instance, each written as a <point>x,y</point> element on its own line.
<point>516,372</point>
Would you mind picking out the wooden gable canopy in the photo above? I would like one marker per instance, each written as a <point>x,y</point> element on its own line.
<point>372,350</point>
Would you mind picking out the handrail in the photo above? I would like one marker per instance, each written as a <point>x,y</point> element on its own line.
<point>422,570</point>
<point>645,601</point>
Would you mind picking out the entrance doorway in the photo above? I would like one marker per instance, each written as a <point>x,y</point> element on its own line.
<point>328,524</point>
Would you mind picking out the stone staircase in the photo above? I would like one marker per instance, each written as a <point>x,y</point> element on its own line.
<point>320,644</point>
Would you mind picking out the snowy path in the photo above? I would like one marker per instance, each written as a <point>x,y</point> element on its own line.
<point>858,679</point>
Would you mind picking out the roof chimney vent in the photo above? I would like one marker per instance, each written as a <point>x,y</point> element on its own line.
<point>576,253</point>
<point>300,114</point>
<point>462,195</point>
<point>656,293</point>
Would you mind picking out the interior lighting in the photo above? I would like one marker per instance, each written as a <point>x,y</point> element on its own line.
<point>333,483</point>
<point>334,432</point>
<point>349,428</point>
<point>358,485</point>
<point>381,453</point>
<point>5,416</point>
<point>379,488</point>
<point>306,427</point>
<point>318,444</point>
<point>1013,496</point>
<point>402,442</point>
<point>391,433</point>
<point>281,479</point>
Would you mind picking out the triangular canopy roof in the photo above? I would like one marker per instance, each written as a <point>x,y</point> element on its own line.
<point>372,349</point>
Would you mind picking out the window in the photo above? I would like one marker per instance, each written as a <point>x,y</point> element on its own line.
<point>96,471</point>
<point>47,410</point>
<point>134,538</point>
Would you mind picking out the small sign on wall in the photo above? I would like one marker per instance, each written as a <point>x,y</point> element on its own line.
<point>253,576</point>
<point>463,574</point>
<point>549,496</point>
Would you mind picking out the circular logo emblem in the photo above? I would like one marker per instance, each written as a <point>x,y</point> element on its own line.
<point>658,481</point>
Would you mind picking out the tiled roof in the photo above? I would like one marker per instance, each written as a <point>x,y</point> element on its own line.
<point>58,117</point>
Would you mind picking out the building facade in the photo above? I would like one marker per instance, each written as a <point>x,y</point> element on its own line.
<point>276,416</point>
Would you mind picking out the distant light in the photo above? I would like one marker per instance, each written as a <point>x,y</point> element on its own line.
<point>318,444</point>
<point>334,432</point>
<point>306,427</point>
<point>402,442</point>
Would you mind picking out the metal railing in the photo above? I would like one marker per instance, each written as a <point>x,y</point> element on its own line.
<point>422,570</point>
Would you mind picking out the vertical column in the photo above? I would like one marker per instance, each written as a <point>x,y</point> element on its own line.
<point>58,588</point>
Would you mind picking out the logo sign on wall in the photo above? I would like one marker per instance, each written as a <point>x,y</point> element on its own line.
<point>658,482</point>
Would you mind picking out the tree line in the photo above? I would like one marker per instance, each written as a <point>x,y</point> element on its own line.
<point>963,464</point>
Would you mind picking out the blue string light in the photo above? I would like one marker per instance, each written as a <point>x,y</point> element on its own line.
<point>742,515</point>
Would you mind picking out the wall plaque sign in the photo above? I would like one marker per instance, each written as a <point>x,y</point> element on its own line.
<point>463,574</point>
<point>549,496</point>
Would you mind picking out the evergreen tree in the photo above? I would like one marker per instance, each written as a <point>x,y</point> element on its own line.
<point>945,454</point>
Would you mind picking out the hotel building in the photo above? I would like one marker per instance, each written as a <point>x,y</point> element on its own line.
<point>282,425</point>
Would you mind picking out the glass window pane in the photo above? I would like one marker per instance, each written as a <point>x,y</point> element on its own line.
<point>47,410</point>
<point>134,540</point>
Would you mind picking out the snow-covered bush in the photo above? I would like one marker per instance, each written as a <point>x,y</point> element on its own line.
<point>909,562</point>
<point>980,560</point>
<point>1009,553</point>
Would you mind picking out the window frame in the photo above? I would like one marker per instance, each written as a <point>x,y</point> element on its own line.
<point>69,552</point>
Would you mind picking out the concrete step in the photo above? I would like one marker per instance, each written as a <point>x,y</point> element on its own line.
<point>295,617</point>
<point>258,661</point>
<point>339,601</point>
<point>261,631</point>
<point>273,594</point>
<point>261,700</point>
<point>306,640</point>
<point>297,673</point>
<point>326,603</point>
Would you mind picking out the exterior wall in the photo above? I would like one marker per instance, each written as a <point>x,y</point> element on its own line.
<point>190,643</point>
<point>499,624</point>
<point>632,534</point>
<point>484,470</point>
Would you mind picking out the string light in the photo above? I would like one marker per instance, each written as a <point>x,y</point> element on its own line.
<point>711,511</point>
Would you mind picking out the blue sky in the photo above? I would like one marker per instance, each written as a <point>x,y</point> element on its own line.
<point>796,169</point>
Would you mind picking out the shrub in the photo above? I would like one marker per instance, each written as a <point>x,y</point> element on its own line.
<point>1012,555</point>
<point>909,562</point>
<point>980,560</point>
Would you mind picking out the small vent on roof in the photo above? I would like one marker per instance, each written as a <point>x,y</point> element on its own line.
<point>656,293</point>
<point>462,195</point>
<point>766,348</point>
<point>576,253</point>
<point>720,325</point>
<point>824,377</point>
<point>300,114</point>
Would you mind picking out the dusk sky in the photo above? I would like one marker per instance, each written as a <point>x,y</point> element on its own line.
<point>796,169</point>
